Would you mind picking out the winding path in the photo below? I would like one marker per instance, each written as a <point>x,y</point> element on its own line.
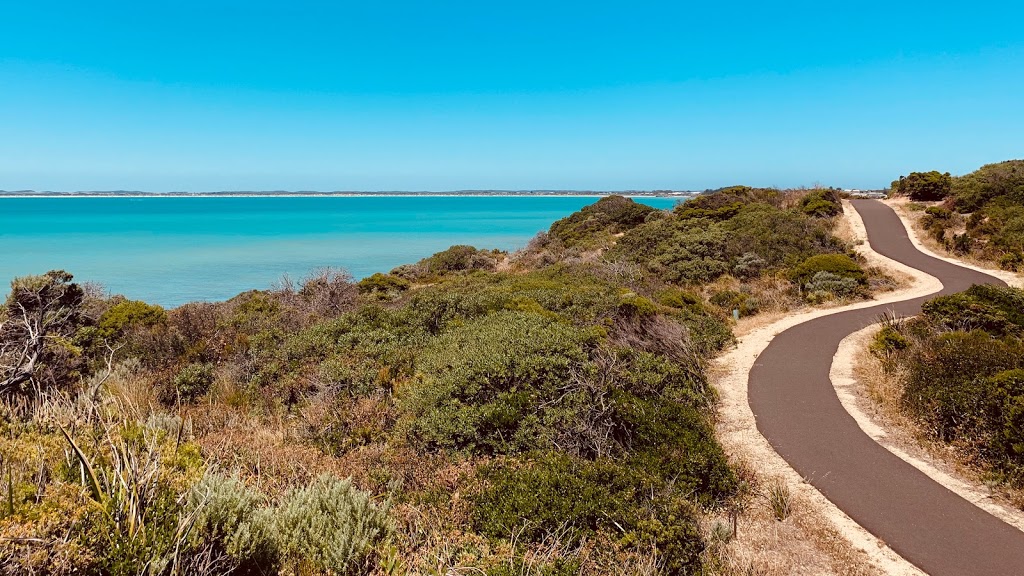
<point>798,412</point>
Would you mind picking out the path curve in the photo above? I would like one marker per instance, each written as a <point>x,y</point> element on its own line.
<point>797,410</point>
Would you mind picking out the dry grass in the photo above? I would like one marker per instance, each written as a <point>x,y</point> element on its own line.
<point>802,542</point>
<point>845,230</point>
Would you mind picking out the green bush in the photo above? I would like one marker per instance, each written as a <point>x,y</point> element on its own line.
<point>551,493</point>
<point>462,258</point>
<point>1007,422</point>
<point>780,238</point>
<point>946,386</point>
<point>832,284</point>
<point>994,309</point>
<point>725,203</point>
<point>385,284</point>
<point>557,494</point>
<point>740,230</point>
<point>485,381</point>
<point>1013,261</point>
<point>193,381</point>
<point>974,191</point>
<point>749,265</point>
<point>231,519</point>
<point>129,314</point>
<point>961,243</point>
<point>675,298</point>
<point>963,366</point>
<point>637,306</point>
<point>821,203</point>
<point>694,254</point>
<point>923,186</point>
<point>730,300</point>
<point>889,341</point>
<point>839,265</point>
<point>328,525</point>
<point>594,225</point>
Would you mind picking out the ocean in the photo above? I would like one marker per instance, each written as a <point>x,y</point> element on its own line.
<point>174,250</point>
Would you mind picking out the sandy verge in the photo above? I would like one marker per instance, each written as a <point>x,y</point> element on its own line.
<point>854,397</point>
<point>737,428</point>
<point>908,218</point>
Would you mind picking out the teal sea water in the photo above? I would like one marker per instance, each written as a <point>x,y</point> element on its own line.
<point>175,250</point>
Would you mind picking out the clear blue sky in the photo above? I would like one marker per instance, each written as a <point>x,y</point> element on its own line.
<point>445,95</point>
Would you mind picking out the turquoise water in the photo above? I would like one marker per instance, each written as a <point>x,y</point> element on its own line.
<point>175,250</point>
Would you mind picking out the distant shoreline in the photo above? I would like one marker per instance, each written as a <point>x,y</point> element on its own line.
<point>465,194</point>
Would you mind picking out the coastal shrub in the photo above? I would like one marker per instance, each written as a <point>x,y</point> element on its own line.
<point>946,380</point>
<point>324,293</point>
<point>962,363</point>
<point>832,284</point>
<point>780,238</point>
<point>329,525</point>
<point>39,324</point>
<point>192,381</point>
<point>128,314</point>
<point>681,299</point>
<point>555,494</point>
<point>749,265</point>
<point>923,186</point>
<point>997,310</point>
<point>730,300</point>
<point>382,284</point>
<point>839,265</point>
<point>700,207</point>
<point>974,191</point>
<point>671,531</point>
<point>637,306</point>
<point>593,225</point>
<point>961,243</point>
<point>461,259</point>
<point>740,230</point>
<point>231,520</point>
<point>548,494</point>
<point>724,203</point>
<point>485,381</point>
<point>694,254</point>
<point>889,341</point>
<point>821,203</point>
<point>1012,262</point>
<point>1007,422</point>
<point>993,196</point>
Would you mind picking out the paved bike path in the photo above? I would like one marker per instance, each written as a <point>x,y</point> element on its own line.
<point>798,411</point>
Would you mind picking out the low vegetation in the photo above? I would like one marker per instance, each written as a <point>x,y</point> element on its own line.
<point>544,412</point>
<point>981,214</point>
<point>961,369</point>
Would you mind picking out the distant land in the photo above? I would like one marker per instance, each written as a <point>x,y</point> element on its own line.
<point>659,193</point>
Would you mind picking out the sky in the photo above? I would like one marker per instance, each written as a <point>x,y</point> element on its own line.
<point>450,95</point>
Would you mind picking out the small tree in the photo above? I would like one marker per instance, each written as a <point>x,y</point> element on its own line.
<point>37,323</point>
<point>923,186</point>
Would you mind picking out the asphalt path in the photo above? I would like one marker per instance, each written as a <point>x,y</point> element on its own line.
<point>798,411</point>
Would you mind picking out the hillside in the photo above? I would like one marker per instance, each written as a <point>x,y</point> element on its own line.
<point>980,214</point>
<point>543,412</point>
